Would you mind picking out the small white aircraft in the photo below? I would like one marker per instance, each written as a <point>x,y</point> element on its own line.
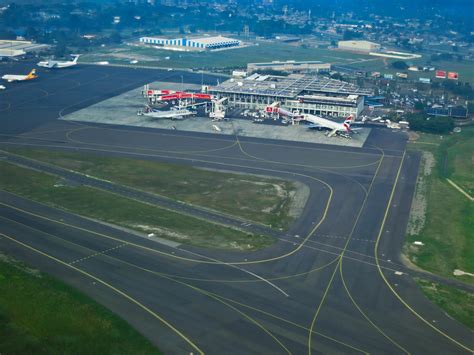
<point>50,64</point>
<point>13,77</point>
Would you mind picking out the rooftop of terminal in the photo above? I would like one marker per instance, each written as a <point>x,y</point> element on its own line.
<point>290,86</point>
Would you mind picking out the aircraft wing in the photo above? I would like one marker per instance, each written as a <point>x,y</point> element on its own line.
<point>314,125</point>
<point>51,64</point>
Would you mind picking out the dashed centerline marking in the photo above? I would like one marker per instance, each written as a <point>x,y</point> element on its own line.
<point>340,237</point>
<point>97,254</point>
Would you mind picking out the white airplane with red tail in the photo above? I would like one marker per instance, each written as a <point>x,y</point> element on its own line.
<point>335,128</point>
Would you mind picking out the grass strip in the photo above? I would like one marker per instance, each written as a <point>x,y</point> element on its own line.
<point>125,212</point>
<point>456,303</point>
<point>41,315</point>
<point>448,227</point>
<point>254,198</point>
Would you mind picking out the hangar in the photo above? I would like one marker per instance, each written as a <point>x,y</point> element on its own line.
<point>201,43</point>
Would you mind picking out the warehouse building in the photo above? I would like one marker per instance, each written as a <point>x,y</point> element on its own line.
<point>358,46</point>
<point>289,66</point>
<point>14,48</point>
<point>199,44</point>
<point>305,93</point>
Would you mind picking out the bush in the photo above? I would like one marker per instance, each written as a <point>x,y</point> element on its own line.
<point>438,125</point>
<point>400,64</point>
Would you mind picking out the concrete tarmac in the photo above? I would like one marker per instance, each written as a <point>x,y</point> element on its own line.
<point>333,283</point>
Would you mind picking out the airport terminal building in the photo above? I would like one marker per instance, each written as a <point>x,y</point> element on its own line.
<point>305,93</point>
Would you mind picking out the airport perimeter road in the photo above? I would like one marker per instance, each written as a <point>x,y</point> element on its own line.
<point>332,284</point>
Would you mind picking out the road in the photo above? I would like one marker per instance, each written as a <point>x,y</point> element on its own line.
<point>333,283</point>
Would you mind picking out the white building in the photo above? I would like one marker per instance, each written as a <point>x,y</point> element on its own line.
<point>305,93</point>
<point>15,48</point>
<point>201,43</point>
<point>358,46</point>
<point>290,66</point>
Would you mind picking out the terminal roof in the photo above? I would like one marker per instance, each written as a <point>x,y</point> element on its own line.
<point>290,86</point>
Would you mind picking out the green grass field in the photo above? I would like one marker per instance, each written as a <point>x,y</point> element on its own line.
<point>124,212</point>
<point>461,164</point>
<point>258,199</point>
<point>457,303</point>
<point>41,315</point>
<point>238,57</point>
<point>448,232</point>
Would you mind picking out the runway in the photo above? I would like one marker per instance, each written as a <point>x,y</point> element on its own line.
<point>333,283</point>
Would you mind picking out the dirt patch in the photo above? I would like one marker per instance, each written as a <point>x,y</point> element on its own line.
<point>20,266</point>
<point>298,198</point>
<point>417,218</point>
<point>165,233</point>
<point>412,136</point>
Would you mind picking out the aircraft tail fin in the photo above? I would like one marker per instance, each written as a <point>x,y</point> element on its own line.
<point>347,122</point>
<point>76,57</point>
<point>31,74</point>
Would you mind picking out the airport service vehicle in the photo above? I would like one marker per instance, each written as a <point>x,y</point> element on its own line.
<point>177,114</point>
<point>335,128</point>
<point>50,64</point>
<point>216,128</point>
<point>13,77</point>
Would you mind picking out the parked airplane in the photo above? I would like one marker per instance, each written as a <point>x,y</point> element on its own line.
<point>341,129</point>
<point>58,64</point>
<point>336,128</point>
<point>178,114</point>
<point>13,77</point>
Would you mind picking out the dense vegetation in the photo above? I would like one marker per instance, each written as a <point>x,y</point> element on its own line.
<point>41,315</point>
<point>423,123</point>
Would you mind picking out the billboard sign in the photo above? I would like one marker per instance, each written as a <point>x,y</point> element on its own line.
<point>453,75</point>
<point>440,74</point>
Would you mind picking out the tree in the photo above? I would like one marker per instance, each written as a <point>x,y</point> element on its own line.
<point>400,64</point>
<point>419,106</point>
<point>115,37</point>
<point>60,50</point>
<point>419,122</point>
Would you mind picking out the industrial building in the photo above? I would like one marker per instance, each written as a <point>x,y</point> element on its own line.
<point>198,44</point>
<point>358,46</point>
<point>305,93</point>
<point>289,66</point>
<point>13,48</point>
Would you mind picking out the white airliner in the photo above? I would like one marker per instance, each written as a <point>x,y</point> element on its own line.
<point>341,129</point>
<point>177,114</point>
<point>58,64</point>
<point>335,128</point>
<point>13,77</point>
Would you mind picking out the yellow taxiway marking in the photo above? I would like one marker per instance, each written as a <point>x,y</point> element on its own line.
<point>341,255</point>
<point>439,331</point>
<point>125,295</point>
<point>282,256</point>
<point>93,253</point>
